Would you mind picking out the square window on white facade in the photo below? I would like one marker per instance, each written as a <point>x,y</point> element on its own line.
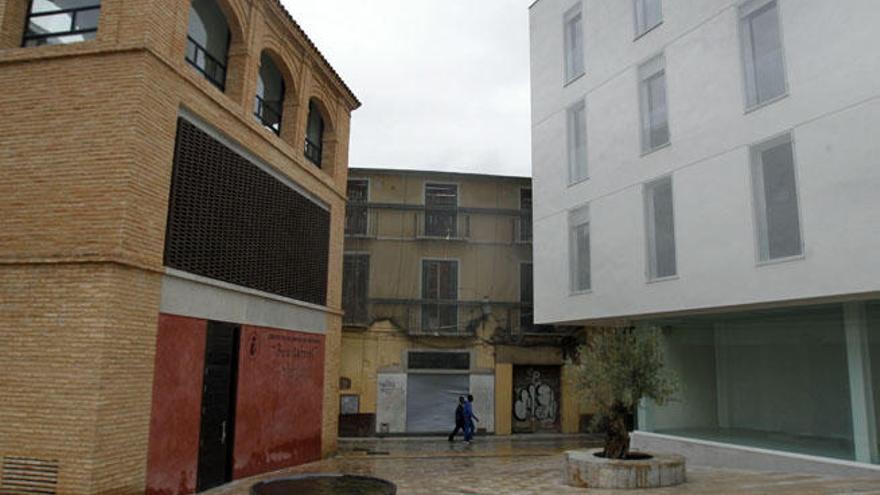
<point>579,248</point>
<point>652,102</point>
<point>573,27</point>
<point>761,43</point>
<point>660,229</point>
<point>774,186</point>
<point>576,139</point>
<point>648,14</point>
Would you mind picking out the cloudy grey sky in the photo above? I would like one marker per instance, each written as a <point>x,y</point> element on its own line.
<point>444,83</point>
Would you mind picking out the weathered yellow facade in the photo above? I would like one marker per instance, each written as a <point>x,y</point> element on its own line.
<point>487,242</point>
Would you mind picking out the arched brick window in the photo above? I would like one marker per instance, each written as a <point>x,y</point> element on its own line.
<point>207,41</point>
<point>314,134</point>
<point>269,101</point>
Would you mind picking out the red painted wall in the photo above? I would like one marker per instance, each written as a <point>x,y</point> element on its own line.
<point>173,453</point>
<point>280,399</point>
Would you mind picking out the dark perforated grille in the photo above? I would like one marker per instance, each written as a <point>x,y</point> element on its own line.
<point>231,221</point>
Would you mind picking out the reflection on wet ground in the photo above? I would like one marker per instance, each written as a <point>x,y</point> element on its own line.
<point>526,466</point>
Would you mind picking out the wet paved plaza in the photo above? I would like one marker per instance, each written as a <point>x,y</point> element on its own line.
<point>517,466</point>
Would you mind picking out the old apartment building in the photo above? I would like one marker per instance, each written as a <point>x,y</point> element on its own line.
<point>438,303</point>
<point>710,168</point>
<point>172,190</point>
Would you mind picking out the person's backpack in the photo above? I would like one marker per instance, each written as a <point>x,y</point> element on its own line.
<point>459,414</point>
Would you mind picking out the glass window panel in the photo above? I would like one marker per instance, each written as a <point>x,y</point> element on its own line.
<point>648,14</point>
<point>780,202</point>
<point>574,45</point>
<point>439,282</point>
<point>47,24</point>
<point>661,229</point>
<point>579,246</point>
<point>652,93</point>
<point>86,19</point>
<point>577,143</point>
<point>772,379</point>
<point>762,54</point>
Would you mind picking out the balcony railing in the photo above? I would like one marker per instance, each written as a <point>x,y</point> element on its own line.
<point>312,151</point>
<point>449,224</point>
<point>268,113</point>
<point>441,318</point>
<point>213,70</point>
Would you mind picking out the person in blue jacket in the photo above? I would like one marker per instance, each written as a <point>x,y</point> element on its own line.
<point>469,418</point>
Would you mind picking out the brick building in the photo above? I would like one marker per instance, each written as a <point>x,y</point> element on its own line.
<point>172,190</point>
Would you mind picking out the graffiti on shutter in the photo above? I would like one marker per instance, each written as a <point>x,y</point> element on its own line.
<point>536,398</point>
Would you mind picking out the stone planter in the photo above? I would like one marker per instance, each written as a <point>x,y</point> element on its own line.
<point>583,468</point>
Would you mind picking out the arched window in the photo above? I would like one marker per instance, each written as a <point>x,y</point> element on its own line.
<point>314,134</point>
<point>207,41</point>
<point>270,94</point>
<point>56,22</point>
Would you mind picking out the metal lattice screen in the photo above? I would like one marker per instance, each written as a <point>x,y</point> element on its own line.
<point>231,221</point>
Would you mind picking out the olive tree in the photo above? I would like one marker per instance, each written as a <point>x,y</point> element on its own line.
<point>615,368</point>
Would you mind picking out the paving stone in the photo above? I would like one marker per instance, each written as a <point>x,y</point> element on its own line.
<point>518,467</point>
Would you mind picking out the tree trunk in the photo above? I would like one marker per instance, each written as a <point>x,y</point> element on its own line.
<point>616,435</point>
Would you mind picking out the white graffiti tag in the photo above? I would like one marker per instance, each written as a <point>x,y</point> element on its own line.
<point>536,401</point>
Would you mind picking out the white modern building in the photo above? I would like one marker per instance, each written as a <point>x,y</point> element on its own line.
<point>712,167</point>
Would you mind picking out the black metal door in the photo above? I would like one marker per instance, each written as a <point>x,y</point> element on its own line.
<point>218,405</point>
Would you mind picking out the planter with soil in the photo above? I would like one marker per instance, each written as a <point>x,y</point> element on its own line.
<point>587,468</point>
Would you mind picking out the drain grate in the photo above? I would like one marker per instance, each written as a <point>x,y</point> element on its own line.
<point>28,476</point>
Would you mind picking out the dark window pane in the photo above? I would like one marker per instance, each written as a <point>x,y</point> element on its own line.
<point>663,229</point>
<point>87,19</point>
<point>781,204</point>
<point>439,361</point>
<point>441,215</point>
<point>355,288</point>
<point>767,54</point>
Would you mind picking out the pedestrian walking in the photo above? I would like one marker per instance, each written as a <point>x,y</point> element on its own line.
<point>459,419</point>
<point>469,418</point>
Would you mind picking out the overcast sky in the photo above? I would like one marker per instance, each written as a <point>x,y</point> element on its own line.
<point>444,83</point>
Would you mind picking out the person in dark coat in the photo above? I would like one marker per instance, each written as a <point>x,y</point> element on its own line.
<point>459,419</point>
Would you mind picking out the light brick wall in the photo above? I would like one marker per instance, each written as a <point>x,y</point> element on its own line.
<point>86,149</point>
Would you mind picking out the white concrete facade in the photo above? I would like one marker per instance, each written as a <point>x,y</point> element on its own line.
<point>831,108</point>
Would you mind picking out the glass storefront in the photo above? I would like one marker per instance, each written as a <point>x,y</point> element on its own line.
<point>775,379</point>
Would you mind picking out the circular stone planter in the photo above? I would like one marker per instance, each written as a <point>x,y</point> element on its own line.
<point>325,484</point>
<point>583,468</point>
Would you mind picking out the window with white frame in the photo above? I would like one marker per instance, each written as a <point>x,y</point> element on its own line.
<point>761,43</point>
<point>579,248</point>
<point>648,14</point>
<point>660,229</point>
<point>576,140</point>
<point>774,186</point>
<point>574,43</point>
<point>652,99</point>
